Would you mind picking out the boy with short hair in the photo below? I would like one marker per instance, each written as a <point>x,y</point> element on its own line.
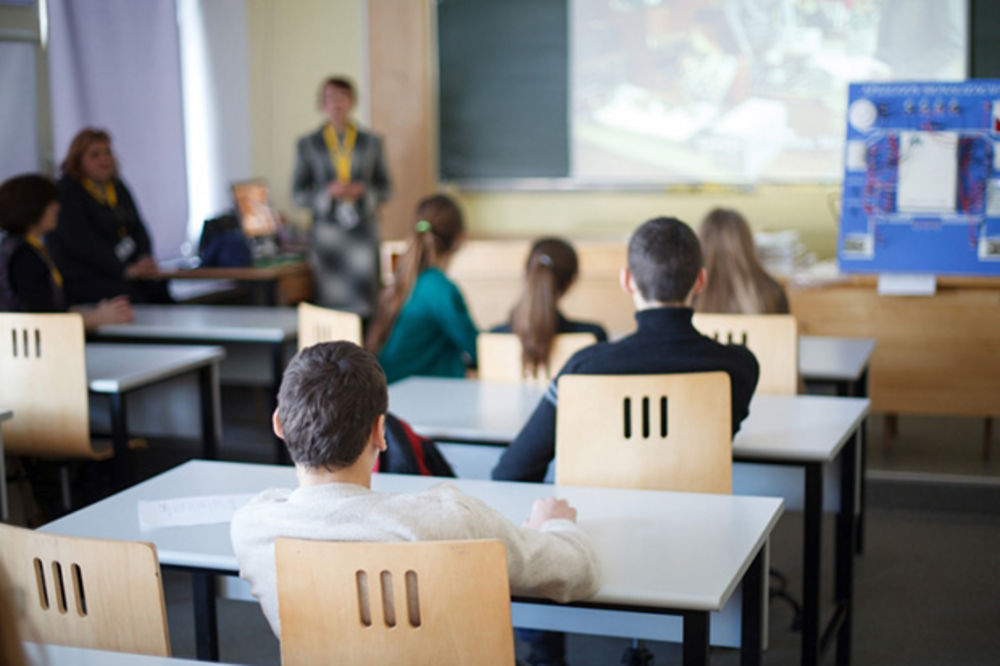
<point>331,413</point>
<point>664,272</point>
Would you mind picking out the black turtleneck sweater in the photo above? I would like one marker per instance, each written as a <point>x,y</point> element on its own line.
<point>665,342</point>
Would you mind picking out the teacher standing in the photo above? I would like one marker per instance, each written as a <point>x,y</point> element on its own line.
<point>340,173</point>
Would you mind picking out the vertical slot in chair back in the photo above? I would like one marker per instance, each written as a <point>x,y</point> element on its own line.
<point>654,432</point>
<point>89,593</point>
<point>438,602</point>
<point>318,324</point>
<point>44,380</point>
<point>773,339</point>
<point>499,356</point>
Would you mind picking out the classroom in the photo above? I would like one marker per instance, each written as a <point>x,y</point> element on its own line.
<point>499,331</point>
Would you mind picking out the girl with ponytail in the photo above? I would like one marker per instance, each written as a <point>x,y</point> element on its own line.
<point>422,326</point>
<point>550,271</point>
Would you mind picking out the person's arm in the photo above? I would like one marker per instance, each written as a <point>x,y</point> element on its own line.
<point>32,282</point>
<point>303,181</point>
<point>743,379</point>
<point>381,186</point>
<point>115,310</point>
<point>75,238</point>
<point>453,317</point>
<point>549,556</point>
<point>527,458</point>
<point>136,228</point>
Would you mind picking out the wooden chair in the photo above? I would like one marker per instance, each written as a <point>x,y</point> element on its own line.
<point>434,602</point>
<point>91,593</point>
<point>773,339</point>
<point>318,324</point>
<point>654,432</point>
<point>44,373</point>
<point>499,356</point>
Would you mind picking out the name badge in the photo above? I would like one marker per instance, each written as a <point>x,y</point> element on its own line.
<point>124,249</point>
<point>347,214</point>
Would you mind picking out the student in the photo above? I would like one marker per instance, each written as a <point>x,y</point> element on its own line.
<point>550,271</point>
<point>663,275</point>
<point>100,244</point>
<point>737,283</point>
<point>422,326</point>
<point>29,280</point>
<point>331,415</point>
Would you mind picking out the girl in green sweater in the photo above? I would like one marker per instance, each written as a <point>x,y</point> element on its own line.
<point>422,326</point>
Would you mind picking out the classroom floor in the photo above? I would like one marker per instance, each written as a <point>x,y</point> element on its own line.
<point>927,589</point>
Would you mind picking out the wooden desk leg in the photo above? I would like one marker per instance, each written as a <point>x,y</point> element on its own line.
<point>210,429</point>
<point>813,531</point>
<point>122,467</point>
<point>751,621</point>
<point>844,565</point>
<point>205,627</point>
<point>695,645</point>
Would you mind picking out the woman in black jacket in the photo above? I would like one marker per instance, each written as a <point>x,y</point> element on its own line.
<point>100,244</point>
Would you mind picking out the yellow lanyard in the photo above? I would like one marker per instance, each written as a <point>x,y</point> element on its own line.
<point>340,155</point>
<point>37,244</point>
<point>107,197</point>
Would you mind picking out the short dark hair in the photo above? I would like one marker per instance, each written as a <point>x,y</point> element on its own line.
<point>664,257</point>
<point>330,397</point>
<point>341,82</point>
<point>23,200</point>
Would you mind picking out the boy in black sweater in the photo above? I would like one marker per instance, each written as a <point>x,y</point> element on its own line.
<point>664,272</point>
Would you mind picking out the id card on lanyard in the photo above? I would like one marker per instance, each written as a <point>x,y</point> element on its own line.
<point>341,155</point>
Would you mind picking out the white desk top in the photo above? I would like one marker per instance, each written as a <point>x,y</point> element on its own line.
<point>215,323</point>
<point>60,655</point>
<point>795,428</point>
<point>668,550</point>
<point>834,359</point>
<point>116,368</point>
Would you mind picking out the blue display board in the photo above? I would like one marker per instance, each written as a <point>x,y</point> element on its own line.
<point>922,179</point>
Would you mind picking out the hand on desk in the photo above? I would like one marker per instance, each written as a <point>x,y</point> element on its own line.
<point>549,508</point>
<point>144,267</point>
<point>115,310</point>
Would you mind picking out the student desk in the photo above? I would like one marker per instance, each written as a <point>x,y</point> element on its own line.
<point>4,511</point>
<point>842,362</point>
<point>243,330</point>
<point>62,655</point>
<point>118,370</point>
<point>800,440</point>
<point>661,553</point>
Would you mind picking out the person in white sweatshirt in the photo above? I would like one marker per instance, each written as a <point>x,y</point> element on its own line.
<point>331,413</point>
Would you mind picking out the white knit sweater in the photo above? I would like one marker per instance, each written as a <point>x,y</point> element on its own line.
<point>556,561</point>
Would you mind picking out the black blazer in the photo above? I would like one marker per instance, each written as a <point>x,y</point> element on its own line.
<point>83,243</point>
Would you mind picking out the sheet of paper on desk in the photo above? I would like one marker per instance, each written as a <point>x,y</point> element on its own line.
<point>185,511</point>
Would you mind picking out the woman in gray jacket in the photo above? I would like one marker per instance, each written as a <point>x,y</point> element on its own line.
<point>340,173</point>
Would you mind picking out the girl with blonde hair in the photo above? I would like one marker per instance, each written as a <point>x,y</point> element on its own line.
<point>737,282</point>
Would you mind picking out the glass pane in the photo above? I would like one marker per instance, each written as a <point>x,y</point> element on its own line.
<point>18,109</point>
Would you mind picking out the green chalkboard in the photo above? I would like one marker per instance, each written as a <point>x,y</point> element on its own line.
<point>503,89</point>
<point>984,45</point>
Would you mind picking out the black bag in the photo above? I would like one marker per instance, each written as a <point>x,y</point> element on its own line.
<point>409,453</point>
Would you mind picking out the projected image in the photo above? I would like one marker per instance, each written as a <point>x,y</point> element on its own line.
<point>740,91</point>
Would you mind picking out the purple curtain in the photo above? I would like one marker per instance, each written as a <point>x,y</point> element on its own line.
<point>115,64</point>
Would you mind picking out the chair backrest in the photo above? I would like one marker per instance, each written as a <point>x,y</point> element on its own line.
<point>318,324</point>
<point>89,593</point>
<point>43,378</point>
<point>773,339</point>
<point>654,432</point>
<point>499,356</point>
<point>432,602</point>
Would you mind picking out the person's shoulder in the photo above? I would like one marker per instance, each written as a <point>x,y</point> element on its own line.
<point>262,502</point>
<point>312,137</point>
<point>588,359</point>
<point>574,326</point>
<point>434,278</point>
<point>69,186</point>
